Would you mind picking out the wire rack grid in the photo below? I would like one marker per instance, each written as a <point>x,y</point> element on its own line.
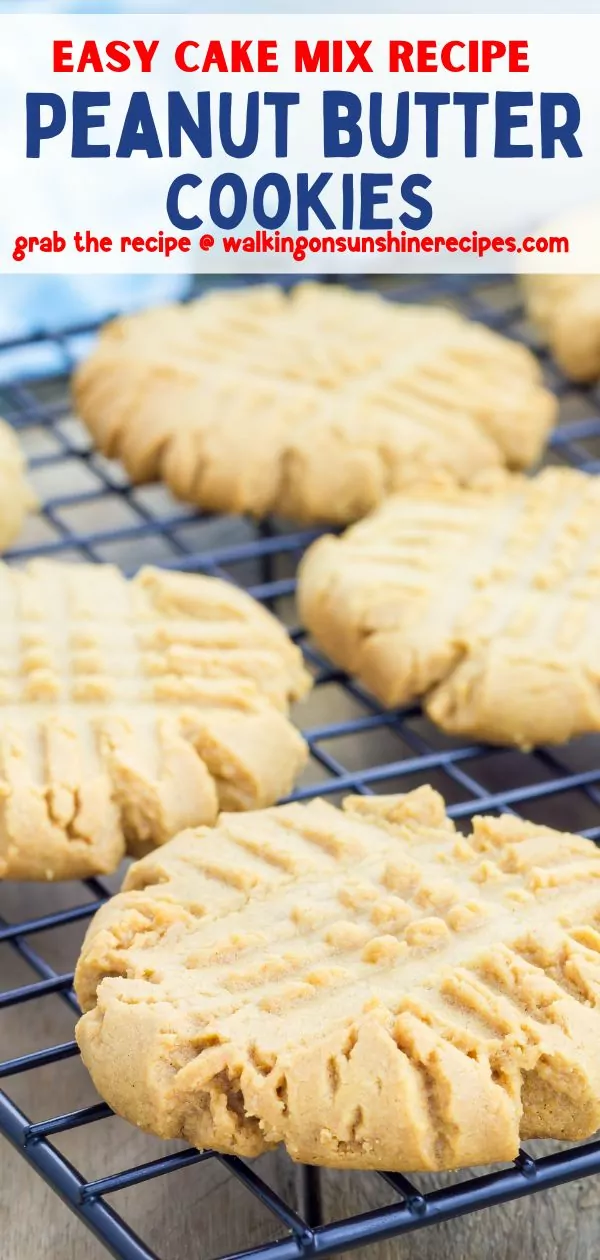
<point>355,746</point>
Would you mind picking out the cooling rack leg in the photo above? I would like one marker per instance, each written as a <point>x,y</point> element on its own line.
<point>266,563</point>
<point>309,1195</point>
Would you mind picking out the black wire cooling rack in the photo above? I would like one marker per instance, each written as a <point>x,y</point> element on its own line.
<point>355,746</point>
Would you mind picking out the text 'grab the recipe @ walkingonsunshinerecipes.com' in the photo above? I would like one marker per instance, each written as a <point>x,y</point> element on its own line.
<point>297,248</point>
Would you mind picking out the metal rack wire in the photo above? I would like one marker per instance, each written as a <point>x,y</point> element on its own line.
<point>355,746</point>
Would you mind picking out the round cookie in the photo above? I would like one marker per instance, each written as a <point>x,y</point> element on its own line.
<point>367,986</point>
<point>566,308</point>
<point>484,603</point>
<point>314,404</point>
<point>129,709</point>
<point>16,497</point>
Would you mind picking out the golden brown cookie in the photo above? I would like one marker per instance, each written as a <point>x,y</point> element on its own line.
<point>566,308</point>
<point>484,603</point>
<point>370,988</point>
<point>314,405</point>
<point>130,709</point>
<point>16,496</point>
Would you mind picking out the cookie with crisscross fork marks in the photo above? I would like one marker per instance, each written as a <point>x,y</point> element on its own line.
<point>314,404</point>
<point>566,308</point>
<point>369,987</point>
<point>16,496</point>
<point>129,709</point>
<point>483,602</point>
